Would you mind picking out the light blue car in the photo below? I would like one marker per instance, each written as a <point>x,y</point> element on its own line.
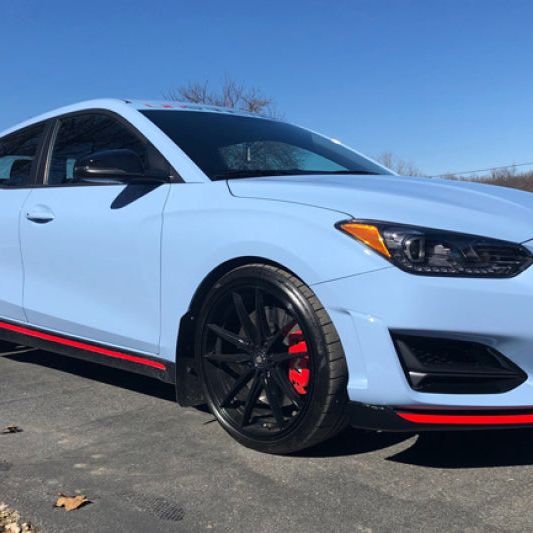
<point>287,281</point>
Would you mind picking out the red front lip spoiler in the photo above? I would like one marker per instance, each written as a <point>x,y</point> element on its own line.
<point>408,418</point>
<point>467,420</point>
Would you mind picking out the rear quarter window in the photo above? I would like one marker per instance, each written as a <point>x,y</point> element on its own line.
<point>17,156</point>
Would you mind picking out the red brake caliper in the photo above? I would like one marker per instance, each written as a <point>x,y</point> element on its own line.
<point>298,367</point>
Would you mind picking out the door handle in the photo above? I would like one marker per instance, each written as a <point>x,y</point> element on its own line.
<point>40,214</point>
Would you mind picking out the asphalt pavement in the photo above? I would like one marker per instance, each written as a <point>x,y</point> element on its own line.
<point>149,466</point>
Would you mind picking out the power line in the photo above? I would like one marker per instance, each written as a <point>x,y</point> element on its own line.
<point>482,170</point>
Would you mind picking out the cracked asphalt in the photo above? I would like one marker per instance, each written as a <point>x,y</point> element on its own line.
<point>148,465</point>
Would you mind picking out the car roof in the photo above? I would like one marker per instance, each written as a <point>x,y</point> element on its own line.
<point>172,105</point>
<point>123,105</point>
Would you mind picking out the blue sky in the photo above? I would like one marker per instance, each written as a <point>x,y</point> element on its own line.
<point>447,84</point>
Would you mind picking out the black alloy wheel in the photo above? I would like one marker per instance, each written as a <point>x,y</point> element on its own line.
<point>271,362</point>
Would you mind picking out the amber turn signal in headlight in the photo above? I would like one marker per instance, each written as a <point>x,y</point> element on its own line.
<point>367,234</point>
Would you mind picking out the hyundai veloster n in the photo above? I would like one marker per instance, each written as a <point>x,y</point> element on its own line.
<point>276,275</point>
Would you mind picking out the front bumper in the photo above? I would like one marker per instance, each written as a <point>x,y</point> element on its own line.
<point>386,418</point>
<point>367,307</point>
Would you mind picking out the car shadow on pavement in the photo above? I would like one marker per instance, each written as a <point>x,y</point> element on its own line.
<point>353,441</point>
<point>469,449</point>
<point>451,449</point>
<point>447,449</point>
<point>96,372</point>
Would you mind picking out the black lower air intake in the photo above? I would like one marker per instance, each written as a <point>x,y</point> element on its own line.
<point>455,367</point>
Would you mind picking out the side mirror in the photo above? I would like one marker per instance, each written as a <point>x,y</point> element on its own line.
<point>122,165</point>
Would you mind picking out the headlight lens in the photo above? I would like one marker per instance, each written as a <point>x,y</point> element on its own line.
<point>434,252</point>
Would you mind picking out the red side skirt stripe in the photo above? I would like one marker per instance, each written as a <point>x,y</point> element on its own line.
<point>470,420</point>
<point>82,345</point>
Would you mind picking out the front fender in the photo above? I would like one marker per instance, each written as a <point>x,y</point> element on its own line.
<point>204,227</point>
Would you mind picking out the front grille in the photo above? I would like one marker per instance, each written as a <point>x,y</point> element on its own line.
<point>454,366</point>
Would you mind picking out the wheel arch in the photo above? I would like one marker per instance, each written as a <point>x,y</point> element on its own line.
<point>188,386</point>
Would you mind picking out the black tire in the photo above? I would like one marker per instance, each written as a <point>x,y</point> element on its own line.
<point>244,328</point>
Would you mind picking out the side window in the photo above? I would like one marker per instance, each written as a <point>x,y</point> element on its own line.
<point>82,135</point>
<point>17,153</point>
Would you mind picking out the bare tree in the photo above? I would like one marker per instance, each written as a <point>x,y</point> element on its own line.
<point>507,177</point>
<point>231,94</point>
<point>398,165</point>
<point>234,95</point>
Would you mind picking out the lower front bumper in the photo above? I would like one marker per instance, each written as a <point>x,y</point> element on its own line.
<point>388,418</point>
<point>368,310</point>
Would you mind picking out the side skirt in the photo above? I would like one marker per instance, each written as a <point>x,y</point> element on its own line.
<point>80,349</point>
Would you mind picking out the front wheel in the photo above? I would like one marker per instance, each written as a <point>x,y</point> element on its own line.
<point>271,362</point>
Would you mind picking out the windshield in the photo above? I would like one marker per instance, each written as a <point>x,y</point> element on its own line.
<point>227,146</point>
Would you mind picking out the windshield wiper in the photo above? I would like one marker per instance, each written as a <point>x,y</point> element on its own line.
<point>236,174</point>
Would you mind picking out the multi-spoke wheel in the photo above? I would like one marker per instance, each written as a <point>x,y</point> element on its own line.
<point>272,365</point>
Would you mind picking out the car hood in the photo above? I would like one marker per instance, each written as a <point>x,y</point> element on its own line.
<point>474,208</point>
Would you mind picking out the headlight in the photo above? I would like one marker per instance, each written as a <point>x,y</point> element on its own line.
<point>434,252</point>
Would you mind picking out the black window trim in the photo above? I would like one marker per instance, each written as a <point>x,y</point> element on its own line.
<point>48,144</point>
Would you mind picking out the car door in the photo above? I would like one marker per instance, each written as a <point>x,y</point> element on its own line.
<point>18,153</point>
<point>91,250</point>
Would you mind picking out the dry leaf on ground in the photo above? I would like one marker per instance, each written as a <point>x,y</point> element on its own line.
<point>11,429</point>
<point>70,503</point>
<point>10,521</point>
